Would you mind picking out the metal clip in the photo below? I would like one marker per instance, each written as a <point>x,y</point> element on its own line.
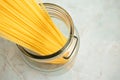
<point>72,47</point>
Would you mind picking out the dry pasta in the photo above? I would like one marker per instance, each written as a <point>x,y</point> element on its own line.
<point>26,23</point>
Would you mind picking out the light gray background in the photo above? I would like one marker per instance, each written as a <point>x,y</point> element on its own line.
<point>98,23</point>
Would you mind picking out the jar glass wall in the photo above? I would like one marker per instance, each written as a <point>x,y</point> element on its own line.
<point>64,22</point>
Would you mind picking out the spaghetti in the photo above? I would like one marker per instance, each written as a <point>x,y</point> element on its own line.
<point>29,25</point>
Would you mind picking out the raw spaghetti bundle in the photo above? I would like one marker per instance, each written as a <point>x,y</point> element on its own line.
<point>28,24</point>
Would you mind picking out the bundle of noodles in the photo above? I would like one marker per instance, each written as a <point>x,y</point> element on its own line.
<point>28,24</point>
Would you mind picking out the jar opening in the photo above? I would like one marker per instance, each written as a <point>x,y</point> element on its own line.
<point>65,17</point>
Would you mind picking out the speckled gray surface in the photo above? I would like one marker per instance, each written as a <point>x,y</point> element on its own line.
<point>98,23</point>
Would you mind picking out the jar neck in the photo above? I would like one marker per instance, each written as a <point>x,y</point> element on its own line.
<point>60,13</point>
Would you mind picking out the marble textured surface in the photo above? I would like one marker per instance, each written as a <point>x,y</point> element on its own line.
<point>98,23</point>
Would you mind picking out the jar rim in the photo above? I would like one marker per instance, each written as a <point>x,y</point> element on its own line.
<point>71,34</point>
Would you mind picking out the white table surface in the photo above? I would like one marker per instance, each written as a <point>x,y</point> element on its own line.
<point>98,23</point>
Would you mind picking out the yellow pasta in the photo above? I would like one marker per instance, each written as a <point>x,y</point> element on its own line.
<point>28,24</point>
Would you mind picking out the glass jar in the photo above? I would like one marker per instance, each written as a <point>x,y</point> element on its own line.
<point>62,19</point>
